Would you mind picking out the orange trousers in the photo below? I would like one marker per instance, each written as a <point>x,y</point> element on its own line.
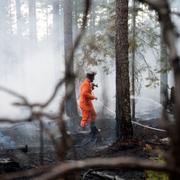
<point>88,116</point>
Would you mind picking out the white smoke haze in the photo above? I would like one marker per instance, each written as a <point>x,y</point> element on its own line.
<point>39,70</point>
<point>33,71</point>
<point>30,71</point>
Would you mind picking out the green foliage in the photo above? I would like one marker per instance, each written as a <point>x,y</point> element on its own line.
<point>95,51</point>
<point>153,175</point>
<point>153,81</point>
<point>147,148</point>
<point>98,48</point>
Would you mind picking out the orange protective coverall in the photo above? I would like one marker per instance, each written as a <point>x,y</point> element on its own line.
<point>88,111</point>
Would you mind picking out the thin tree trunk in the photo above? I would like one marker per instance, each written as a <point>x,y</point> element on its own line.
<point>47,22</point>
<point>76,8</point>
<point>56,26</point>
<point>3,24</point>
<point>71,103</point>
<point>32,21</point>
<point>11,15</point>
<point>163,74</point>
<point>19,18</point>
<point>133,59</point>
<point>92,20</point>
<point>123,112</point>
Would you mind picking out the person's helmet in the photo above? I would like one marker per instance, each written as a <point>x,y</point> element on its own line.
<point>91,73</point>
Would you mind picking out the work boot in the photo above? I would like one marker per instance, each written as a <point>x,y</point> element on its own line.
<point>95,134</point>
<point>94,130</point>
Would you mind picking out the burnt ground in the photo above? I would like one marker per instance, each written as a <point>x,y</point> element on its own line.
<point>103,145</point>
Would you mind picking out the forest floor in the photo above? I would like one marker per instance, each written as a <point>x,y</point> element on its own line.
<point>145,144</point>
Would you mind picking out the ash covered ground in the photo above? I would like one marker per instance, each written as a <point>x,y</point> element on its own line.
<point>14,140</point>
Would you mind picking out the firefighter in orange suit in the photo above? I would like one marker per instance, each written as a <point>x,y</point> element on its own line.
<point>86,97</point>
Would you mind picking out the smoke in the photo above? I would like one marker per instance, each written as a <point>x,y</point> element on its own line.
<point>6,141</point>
<point>34,69</point>
<point>29,69</point>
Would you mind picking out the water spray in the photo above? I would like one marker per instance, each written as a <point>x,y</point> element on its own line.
<point>134,122</point>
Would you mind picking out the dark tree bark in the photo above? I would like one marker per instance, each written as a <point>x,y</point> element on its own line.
<point>71,103</point>
<point>163,74</point>
<point>169,34</point>
<point>32,21</point>
<point>123,112</point>
<point>133,58</point>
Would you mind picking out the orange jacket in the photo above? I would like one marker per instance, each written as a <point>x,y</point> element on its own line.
<point>86,96</point>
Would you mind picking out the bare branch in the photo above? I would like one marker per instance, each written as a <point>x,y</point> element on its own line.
<point>175,13</point>
<point>105,163</point>
<point>11,92</point>
<point>87,4</point>
<point>66,141</point>
<point>14,121</point>
<point>59,84</point>
<point>170,38</point>
<point>33,116</point>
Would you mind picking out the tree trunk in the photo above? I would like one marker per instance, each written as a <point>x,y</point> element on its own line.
<point>32,21</point>
<point>133,58</point>
<point>3,20</point>
<point>19,18</point>
<point>163,74</point>
<point>71,103</point>
<point>92,18</point>
<point>75,19</point>
<point>56,26</point>
<point>47,21</point>
<point>123,112</point>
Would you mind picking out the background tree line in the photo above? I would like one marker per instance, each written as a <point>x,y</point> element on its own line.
<point>120,53</point>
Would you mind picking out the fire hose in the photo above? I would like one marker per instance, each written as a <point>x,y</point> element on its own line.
<point>134,122</point>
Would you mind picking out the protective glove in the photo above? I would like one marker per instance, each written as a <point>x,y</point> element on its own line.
<point>83,124</point>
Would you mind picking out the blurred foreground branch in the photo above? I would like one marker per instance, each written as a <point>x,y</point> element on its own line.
<point>175,13</point>
<point>36,109</point>
<point>170,36</point>
<point>66,141</point>
<point>105,163</point>
<point>69,76</point>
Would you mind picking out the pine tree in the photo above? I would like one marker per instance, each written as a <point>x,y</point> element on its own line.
<point>124,128</point>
